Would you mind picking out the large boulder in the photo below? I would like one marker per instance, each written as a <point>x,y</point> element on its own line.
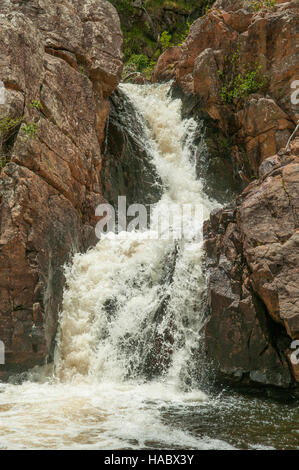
<point>252,260</point>
<point>60,62</point>
<point>165,66</point>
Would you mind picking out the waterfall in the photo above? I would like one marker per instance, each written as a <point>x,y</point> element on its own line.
<point>133,305</point>
<point>128,345</point>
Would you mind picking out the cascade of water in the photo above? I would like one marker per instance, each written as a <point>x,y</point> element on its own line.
<point>129,331</point>
<point>133,306</point>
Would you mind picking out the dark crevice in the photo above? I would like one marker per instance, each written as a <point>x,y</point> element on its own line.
<point>274,332</point>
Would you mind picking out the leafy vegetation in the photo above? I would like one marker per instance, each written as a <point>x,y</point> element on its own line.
<point>8,128</point>
<point>35,104</point>
<point>154,25</point>
<point>29,130</point>
<point>139,63</point>
<point>3,161</point>
<point>240,81</point>
<point>260,4</point>
<point>165,40</point>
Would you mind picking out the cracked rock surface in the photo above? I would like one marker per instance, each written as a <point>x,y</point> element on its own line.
<point>253,264</point>
<point>60,61</point>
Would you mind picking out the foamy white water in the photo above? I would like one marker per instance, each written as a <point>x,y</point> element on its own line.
<point>129,332</point>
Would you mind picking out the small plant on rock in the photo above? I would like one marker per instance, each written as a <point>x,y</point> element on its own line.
<point>165,40</point>
<point>29,130</point>
<point>239,81</point>
<point>8,126</point>
<point>186,33</point>
<point>3,161</point>
<point>263,4</point>
<point>35,104</point>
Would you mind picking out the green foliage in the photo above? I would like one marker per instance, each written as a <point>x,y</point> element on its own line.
<point>240,81</point>
<point>251,81</point>
<point>123,5</point>
<point>29,130</point>
<point>149,69</point>
<point>35,104</point>
<point>3,161</point>
<point>165,40</point>
<point>179,5</point>
<point>140,62</point>
<point>185,34</point>
<point>260,4</point>
<point>147,30</point>
<point>137,41</point>
<point>8,126</point>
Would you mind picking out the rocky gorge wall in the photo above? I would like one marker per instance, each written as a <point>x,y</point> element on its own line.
<point>59,62</point>
<point>253,265</point>
<point>61,156</point>
<point>240,62</point>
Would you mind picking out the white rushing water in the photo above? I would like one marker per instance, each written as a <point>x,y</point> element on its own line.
<point>129,334</point>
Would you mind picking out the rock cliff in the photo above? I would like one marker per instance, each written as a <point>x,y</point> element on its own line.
<point>253,266</point>
<point>242,61</point>
<point>60,62</point>
<point>240,64</point>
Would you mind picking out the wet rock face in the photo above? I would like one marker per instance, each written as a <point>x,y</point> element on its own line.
<point>232,36</point>
<point>127,169</point>
<point>59,64</point>
<point>252,260</point>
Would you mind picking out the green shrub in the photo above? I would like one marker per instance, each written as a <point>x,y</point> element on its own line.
<point>8,126</point>
<point>35,104</point>
<point>260,4</point>
<point>165,40</point>
<point>139,61</point>
<point>239,81</point>
<point>185,34</point>
<point>145,34</point>
<point>123,5</point>
<point>29,130</point>
<point>243,85</point>
<point>149,69</point>
<point>3,161</point>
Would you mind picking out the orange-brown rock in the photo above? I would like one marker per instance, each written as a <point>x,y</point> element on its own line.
<point>60,61</point>
<point>266,40</point>
<point>165,66</point>
<point>253,261</point>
